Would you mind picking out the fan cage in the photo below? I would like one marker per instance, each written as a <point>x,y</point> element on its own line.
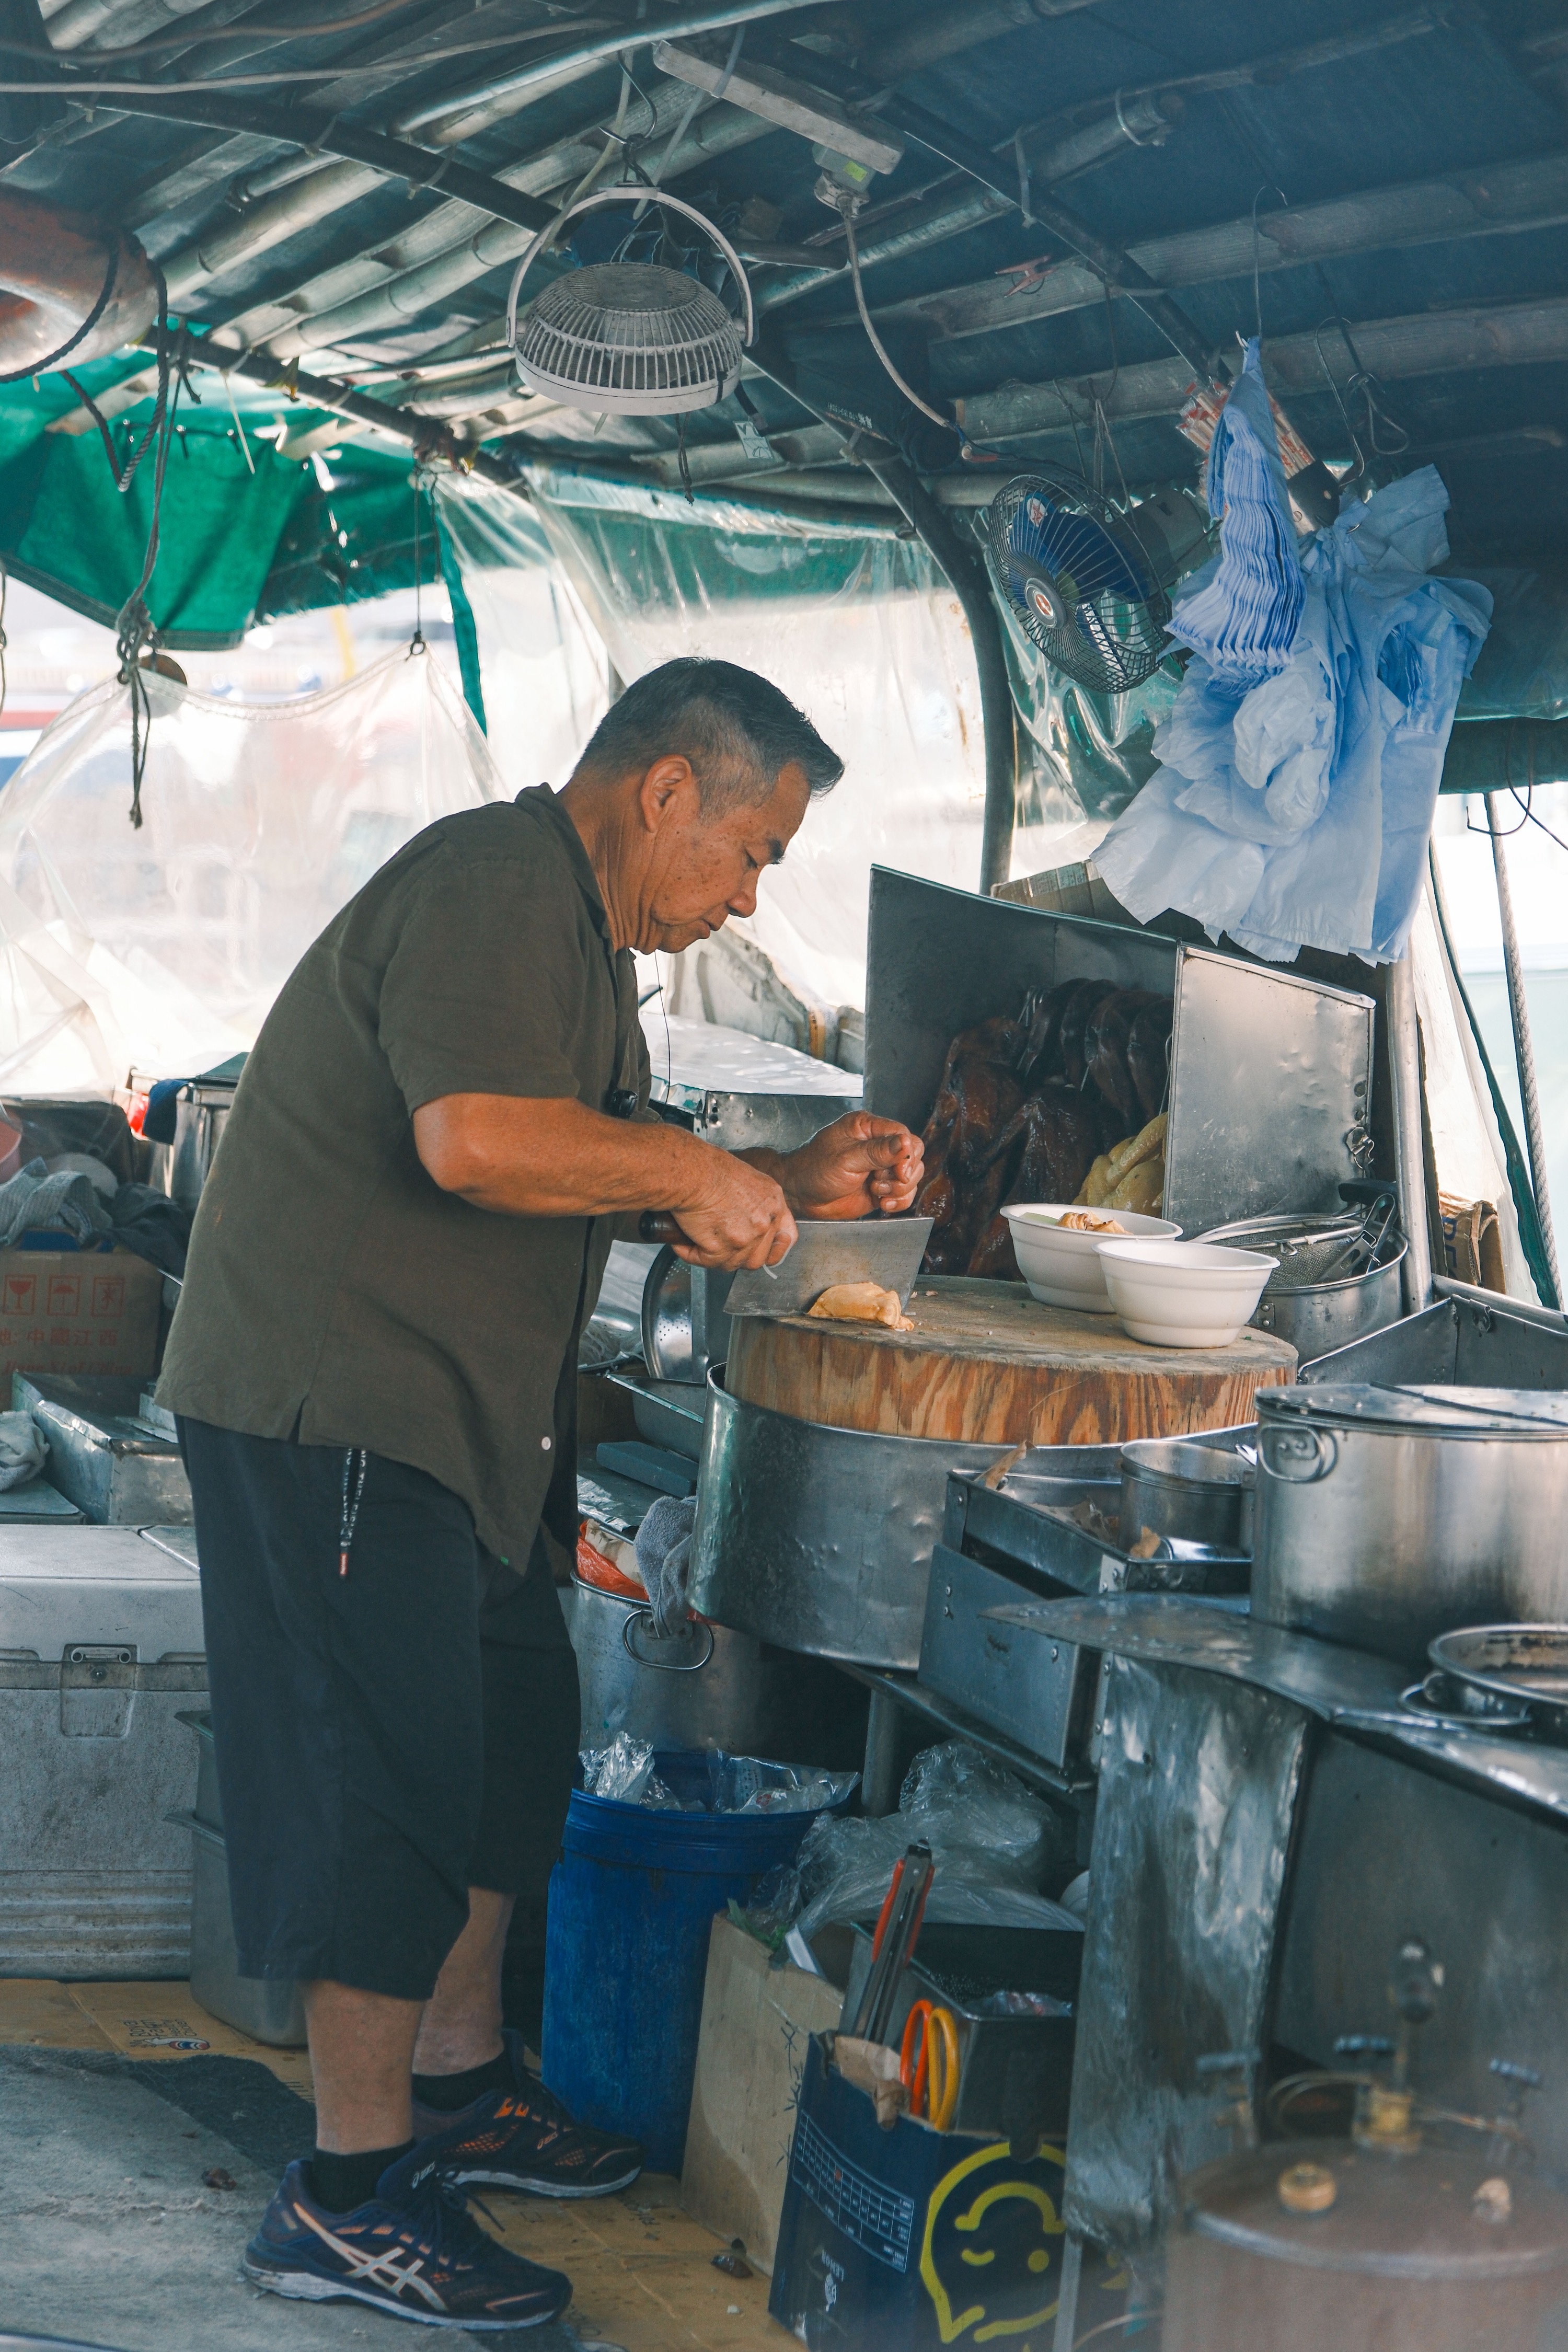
<point>1112,637</point>
<point>629,338</point>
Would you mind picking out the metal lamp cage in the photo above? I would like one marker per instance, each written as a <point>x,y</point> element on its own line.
<point>629,338</point>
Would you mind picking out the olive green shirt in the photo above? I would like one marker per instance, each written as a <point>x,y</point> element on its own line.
<point>334,1292</point>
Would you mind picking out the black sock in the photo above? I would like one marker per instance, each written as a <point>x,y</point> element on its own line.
<point>448,2093</point>
<point>343,2182</point>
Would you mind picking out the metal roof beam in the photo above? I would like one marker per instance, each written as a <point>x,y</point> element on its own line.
<point>1429,343</point>
<point>1499,200</point>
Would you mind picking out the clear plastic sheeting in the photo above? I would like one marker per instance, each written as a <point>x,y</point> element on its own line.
<point>857,625</point>
<point>162,949</point>
<point>1085,754</point>
<point>544,671</point>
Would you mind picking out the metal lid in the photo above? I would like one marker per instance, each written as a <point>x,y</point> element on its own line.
<point>1428,1411</point>
<point>1415,2216</point>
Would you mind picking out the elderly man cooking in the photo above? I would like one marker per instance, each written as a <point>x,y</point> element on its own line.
<point>375,1367</point>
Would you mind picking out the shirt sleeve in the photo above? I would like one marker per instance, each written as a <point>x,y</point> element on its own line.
<point>484,991</point>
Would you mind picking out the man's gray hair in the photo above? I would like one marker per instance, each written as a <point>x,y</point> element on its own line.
<point>738,731</point>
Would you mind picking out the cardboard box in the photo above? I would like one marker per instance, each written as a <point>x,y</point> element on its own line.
<point>78,1311</point>
<point>757,2024</point>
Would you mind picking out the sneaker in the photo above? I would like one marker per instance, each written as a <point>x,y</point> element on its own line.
<point>525,2139</point>
<point>415,2251</point>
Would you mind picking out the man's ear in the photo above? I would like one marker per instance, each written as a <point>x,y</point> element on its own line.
<point>667,785</point>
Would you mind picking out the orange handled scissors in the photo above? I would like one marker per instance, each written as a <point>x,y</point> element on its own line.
<point>931,2077</point>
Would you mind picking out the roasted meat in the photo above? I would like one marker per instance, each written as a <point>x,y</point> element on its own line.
<point>1029,1105</point>
<point>1148,1053</point>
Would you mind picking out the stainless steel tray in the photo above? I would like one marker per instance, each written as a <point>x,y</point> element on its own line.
<point>1036,1690</point>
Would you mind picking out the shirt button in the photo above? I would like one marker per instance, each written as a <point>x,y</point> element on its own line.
<point>544,1442</point>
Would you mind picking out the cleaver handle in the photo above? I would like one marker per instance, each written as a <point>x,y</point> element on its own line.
<point>658,1226</point>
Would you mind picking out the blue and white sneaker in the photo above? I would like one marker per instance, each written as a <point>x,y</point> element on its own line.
<point>415,2251</point>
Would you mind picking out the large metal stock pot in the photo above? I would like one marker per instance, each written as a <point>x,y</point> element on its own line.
<point>817,1539</point>
<point>706,1686</point>
<point>1387,1516</point>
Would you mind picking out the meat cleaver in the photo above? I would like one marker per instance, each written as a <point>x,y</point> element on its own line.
<point>885,1250</point>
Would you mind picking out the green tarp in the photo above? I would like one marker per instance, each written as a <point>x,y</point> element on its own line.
<point>236,546</point>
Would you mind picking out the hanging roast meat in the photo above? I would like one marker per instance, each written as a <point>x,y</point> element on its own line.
<point>1071,1055</point>
<point>1060,1137</point>
<point>1105,1040</point>
<point>1026,1103</point>
<point>980,1091</point>
<point>1148,1053</point>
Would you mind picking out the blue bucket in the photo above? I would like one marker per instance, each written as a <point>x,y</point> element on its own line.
<point>632,1902</point>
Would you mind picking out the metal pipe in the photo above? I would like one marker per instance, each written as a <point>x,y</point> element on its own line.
<point>602,45</point>
<point>327,189</point>
<point>1532,194</point>
<point>949,30</point>
<point>394,159</point>
<point>1524,1055</point>
<point>1410,1162</point>
<point>1429,343</point>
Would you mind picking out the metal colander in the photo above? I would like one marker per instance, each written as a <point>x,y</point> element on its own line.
<point>641,339</point>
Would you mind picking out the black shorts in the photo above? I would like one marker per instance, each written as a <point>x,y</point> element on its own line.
<point>384,1739</point>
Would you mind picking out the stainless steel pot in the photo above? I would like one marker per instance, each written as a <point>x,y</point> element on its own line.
<point>707,1689</point>
<point>1199,1488</point>
<point>819,1538</point>
<point>1386,1516</point>
<point>1321,1298</point>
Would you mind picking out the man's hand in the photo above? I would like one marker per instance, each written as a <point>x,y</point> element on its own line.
<point>742,1219</point>
<point>853,1168</point>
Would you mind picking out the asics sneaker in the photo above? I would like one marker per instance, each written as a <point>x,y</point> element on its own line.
<point>414,2250</point>
<point>525,2139</point>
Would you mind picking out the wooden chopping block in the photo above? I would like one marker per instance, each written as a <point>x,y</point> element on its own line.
<point>987,1364</point>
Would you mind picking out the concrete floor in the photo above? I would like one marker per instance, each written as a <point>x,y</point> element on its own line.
<point>110,2234</point>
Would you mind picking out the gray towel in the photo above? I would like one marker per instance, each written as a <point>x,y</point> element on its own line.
<point>36,1201</point>
<point>664,1561</point>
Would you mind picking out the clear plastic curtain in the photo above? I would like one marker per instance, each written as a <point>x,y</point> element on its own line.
<point>854,624</point>
<point>162,948</point>
<point>543,670</point>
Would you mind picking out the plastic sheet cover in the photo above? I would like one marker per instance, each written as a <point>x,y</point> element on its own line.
<point>854,624</point>
<point>542,665</point>
<point>162,949</point>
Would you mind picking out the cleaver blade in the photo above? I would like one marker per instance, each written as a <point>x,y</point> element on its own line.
<point>885,1250</point>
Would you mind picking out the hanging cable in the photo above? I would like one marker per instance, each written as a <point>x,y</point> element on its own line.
<point>416,642</point>
<point>847,205</point>
<point>134,631</point>
<point>1267,189</point>
<point>4,584</point>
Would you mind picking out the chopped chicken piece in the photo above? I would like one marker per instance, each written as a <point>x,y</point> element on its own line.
<point>861,1302</point>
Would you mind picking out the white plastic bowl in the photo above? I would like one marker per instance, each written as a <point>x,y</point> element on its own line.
<point>1183,1294</point>
<point>1061,1266</point>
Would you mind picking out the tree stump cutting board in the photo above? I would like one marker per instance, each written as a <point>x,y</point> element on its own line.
<point>986,1363</point>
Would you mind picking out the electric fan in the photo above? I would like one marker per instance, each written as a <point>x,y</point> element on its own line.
<point>1079,580</point>
<point>628,337</point>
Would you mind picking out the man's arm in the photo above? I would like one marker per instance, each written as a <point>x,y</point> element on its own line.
<point>553,1157</point>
